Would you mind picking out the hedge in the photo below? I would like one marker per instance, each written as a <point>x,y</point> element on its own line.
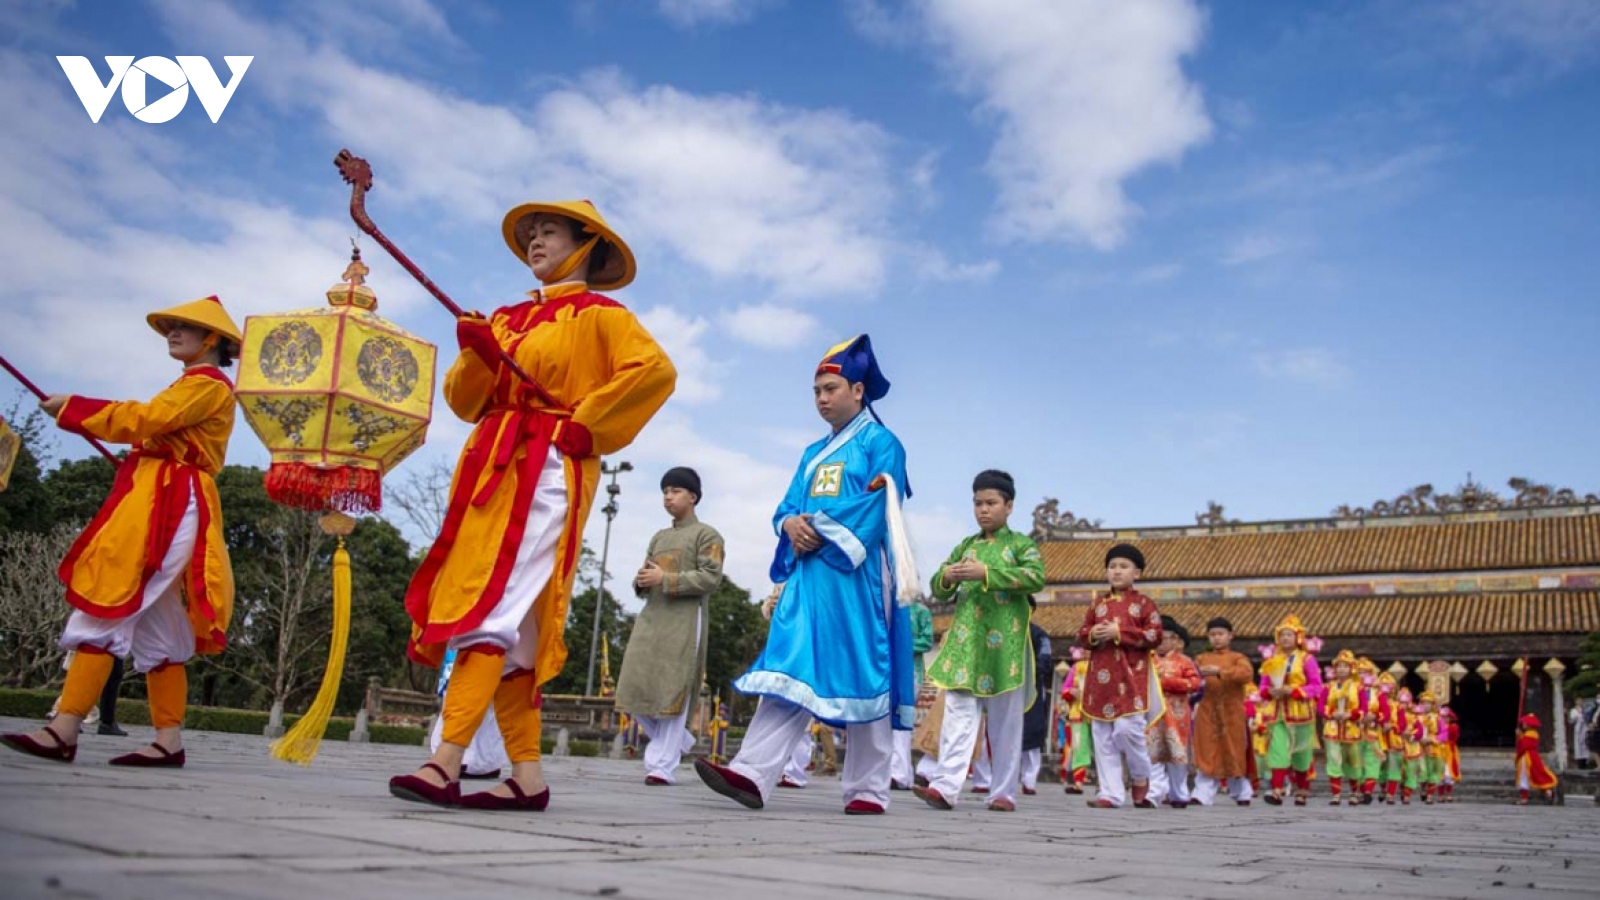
<point>25,704</point>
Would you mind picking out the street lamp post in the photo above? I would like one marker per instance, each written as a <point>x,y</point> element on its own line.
<point>610,509</point>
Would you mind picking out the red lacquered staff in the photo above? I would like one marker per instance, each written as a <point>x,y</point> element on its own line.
<point>358,173</point>
<point>43,396</point>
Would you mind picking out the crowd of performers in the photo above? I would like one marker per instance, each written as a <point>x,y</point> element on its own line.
<point>150,579</point>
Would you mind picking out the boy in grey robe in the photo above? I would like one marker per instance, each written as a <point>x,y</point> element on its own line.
<point>666,656</point>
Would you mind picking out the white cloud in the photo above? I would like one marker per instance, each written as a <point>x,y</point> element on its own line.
<point>770,327</point>
<point>1085,93</point>
<point>719,12</point>
<point>744,189</point>
<point>679,335</point>
<point>1312,365</point>
<point>1560,35</point>
<point>1253,248</point>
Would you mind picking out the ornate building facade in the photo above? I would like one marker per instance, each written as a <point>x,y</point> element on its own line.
<point>1455,589</point>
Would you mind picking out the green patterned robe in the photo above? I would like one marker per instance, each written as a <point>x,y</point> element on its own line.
<point>986,651</point>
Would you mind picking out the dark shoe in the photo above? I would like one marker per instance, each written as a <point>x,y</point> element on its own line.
<point>729,783</point>
<point>167,759</point>
<point>22,743</point>
<point>918,781</point>
<point>1178,804</point>
<point>418,790</point>
<point>980,790</point>
<point>110,729</point>
<point>491,775</point>
<point>932,797</point>
<point>862,808</point>
<point>1002,805</point>
<point>1073,788</point>
<point>1242,802</point>
<point>517,801</point>
<point>656,781</point>
<point>1029,792</point>
<point>897,786</point>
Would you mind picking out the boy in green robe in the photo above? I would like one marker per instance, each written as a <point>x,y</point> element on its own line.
<point>987,662</point>
<point>666,657</point>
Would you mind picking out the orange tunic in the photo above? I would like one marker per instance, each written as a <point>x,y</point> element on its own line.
<point>180,439</point>
<point>609,375</point>
<point>1221,723</point>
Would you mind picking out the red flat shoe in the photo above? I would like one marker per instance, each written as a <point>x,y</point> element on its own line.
<point>1102,804</point>
<point>788,782</point>
<point>418,790</point>
<point>1073,789</point>
<point>167,759</point>
<point>729,783</point>
<point>1002,805</point>
<point>932,797</point>
<point>862,808</point>
<point>980,790</point>
<point>656,781</point>
<point>519,799</point>
<point>1029,792</point>
<point>22,743</point>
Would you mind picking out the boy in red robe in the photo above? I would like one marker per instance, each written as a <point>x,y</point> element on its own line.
<point>1122,696</point>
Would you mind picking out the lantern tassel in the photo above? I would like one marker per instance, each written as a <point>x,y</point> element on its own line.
<point>301,743</point>
<point>345,488</point>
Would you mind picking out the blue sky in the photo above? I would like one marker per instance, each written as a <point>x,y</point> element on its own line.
<point>1141,254</point>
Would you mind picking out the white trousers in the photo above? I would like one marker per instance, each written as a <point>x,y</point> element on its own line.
<point>486,753</point>
<point>795,768</point>
<point>159,630</point>
<point>962,713</point>
<point>778,725</point>
<point>982,770</point>
<point>1117,742</point>
<point>900,767</point>
<point>669,741</point>
<point>1032,761</point>
<point>509,624</point>
<point>1169,781</point>
<point>1205,788</point>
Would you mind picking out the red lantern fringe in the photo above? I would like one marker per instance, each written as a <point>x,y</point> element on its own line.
<point>320,488</point>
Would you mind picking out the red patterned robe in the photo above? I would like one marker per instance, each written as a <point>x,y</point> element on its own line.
<point>1122,678</point>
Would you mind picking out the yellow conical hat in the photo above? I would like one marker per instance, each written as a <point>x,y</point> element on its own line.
<point>619,267</point>
<point>1347,657</point>
<point>207,312</point>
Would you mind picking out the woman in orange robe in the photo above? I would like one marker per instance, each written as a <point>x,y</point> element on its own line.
<point>150,575</point>
<point>496,583</point>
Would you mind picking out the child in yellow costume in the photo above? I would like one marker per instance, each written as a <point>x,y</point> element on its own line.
<point>1432,751</point>
<point>150,575</point>
<point>1291,690</point>
<point>1341,728</point>
<point>496,583</point>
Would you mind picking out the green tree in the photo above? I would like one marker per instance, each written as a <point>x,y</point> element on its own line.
<point>25,504</point>
<point>1586,683</point>
<point>616,626</point>
<point>738,633</point>
<point>78,487</point>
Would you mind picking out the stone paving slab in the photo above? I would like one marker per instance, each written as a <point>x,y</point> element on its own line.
<point>236,824</point>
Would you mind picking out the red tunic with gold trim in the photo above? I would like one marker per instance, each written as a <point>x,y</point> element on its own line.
<point>1122,678</point>
<point>180,439</point>
<point>607,374</point>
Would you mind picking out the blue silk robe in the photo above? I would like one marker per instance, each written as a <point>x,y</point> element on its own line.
<point>840,645</point>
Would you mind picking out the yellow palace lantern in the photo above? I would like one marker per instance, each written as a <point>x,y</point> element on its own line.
<point>340,396</point>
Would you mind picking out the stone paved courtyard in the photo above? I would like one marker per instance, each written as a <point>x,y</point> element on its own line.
<point>237,824</point>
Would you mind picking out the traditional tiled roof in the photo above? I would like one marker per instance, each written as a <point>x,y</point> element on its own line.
<point>1464,546</point>
<point>1426,615</point>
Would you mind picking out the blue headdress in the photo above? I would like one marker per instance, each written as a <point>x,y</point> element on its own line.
<point>854,361</point>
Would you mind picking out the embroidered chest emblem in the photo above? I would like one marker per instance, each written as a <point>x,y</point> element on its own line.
<point>827,480</point>
<point>1135,610</point>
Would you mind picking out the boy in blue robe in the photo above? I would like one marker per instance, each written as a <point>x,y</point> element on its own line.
<point>839,648</point>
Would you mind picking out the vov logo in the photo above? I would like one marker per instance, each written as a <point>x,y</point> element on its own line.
<point>133,77</point>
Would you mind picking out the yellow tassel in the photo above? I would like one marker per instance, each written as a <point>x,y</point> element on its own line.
<point>301,743</point>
